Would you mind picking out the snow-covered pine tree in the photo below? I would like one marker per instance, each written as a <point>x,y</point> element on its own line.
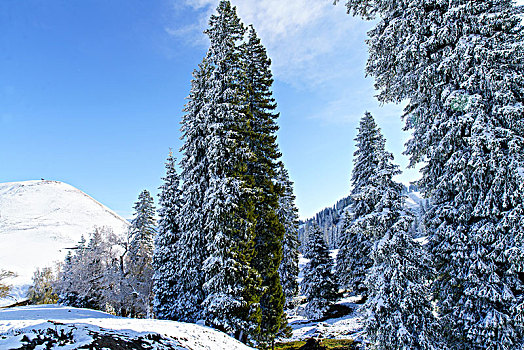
<point>89,278</point>
<point>399,313</point>
<point>288,215</point>
<point>66,288</point>
<point>89,274</point>
<point>353,258</point>
<point>222,218</point>
<point>140,255</point>
<point>459,65</point>
<point>261,169</point>
<point>167,253</point>
<point>195,182</point>
<point>319,285</point>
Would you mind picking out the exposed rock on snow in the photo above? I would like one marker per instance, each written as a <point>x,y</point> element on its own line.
<point>71,328</point>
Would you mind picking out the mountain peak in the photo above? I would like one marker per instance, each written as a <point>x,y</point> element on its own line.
<point>40,219</point>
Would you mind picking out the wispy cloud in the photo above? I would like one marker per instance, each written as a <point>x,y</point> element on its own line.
<point>305,39</point>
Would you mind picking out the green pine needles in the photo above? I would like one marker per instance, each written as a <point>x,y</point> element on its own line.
<point>229,240</point>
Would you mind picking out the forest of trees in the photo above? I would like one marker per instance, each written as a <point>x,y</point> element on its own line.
<point>225,249</point>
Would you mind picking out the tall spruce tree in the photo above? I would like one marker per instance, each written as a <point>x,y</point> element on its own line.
<point>261,140</point>
<point>288,215</point>
<point>222,217</point>
<point>353,258</point>
<point>459,65</point>
<point>140,255</point>
<point>319,285</point>
<point>167,253</point>
<point>399,313</point>
<point>195,181</point>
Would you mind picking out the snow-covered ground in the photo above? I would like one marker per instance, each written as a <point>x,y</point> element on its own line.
<point>83,327</point>
<point>40,219</point>
<point>346,327</point>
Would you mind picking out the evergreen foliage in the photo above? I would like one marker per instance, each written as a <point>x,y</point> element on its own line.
<point>288,215</point>
<point>319,285</point>
<point>261,169</point>
<point>353,258</point>
<point>140,255</point>
<point>93,277</point>
<point>81,281</point>
<point>229,241</point>
<point>399,314</point>
<point>459,65</point>
<point>220,205</point>
<point>195,181</point>
<point>167,253</point>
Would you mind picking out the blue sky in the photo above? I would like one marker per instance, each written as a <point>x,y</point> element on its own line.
<point>91,92</point>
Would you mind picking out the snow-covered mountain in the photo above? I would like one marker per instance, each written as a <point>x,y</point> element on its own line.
<point>39,220</point>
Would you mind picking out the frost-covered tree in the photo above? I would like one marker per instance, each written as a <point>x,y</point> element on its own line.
<point>398,311</point>
<point>195,182</point>
<point>288,215</point>
<point>218,214</point>
<point>167,255</point>
<point>84,279</point>
<point>231,283</point>
<point>459,65</point>
<point>42,290</point>
<point>261,169</point>
<point>140,255</point>
<point>81,281</point>
<point>66,286</point>
<point>353,258</point>
<point>319,285</point>
<point>118,290</point>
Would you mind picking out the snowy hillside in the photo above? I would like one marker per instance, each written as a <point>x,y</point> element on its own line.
<point>40,219</point>
<point>71,328</point>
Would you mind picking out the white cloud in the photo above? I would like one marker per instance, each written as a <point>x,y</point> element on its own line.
<point>305,39</point>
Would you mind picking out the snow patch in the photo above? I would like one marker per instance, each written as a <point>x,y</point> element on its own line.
<point>83,323</point>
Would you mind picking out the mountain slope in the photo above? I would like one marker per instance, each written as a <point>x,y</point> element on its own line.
<point>39,220</point>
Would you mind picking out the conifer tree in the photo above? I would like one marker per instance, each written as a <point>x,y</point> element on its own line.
<point>68,291</point>
<point>261,140</point>
<point>288,215</point>
<point>353,258</point>
<point>167,254</point>
<point>221,218</point>
<point>319,285</point>
<point>90,272</point>
<point>140,255</point>
<point>399,314</point>
<point>195,181</point>
<point>459,65</point>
